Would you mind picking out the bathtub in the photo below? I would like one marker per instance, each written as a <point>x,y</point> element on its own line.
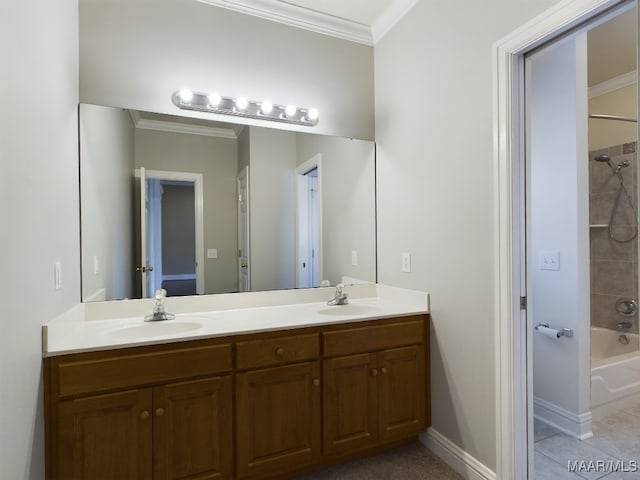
<point>615,371</point>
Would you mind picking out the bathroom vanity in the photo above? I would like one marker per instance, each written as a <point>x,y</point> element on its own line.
<point>262,392</point>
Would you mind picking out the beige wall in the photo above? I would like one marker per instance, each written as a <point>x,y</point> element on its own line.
<point>271,197</point>
<point>39,211</point>
<point>434,135</point>
<point>606,133</point>
<point>106,180</point>
<point>348,204</point>
<point>216,158</point>
<point>135,53</point>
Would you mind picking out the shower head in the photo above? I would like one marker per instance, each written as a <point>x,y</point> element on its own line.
<point>602,158</point>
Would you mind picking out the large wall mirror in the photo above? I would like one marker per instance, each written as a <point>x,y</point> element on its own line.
<point>202,207</point>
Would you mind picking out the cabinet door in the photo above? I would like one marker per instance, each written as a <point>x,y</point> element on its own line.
<point>402,392</point>
<point>105,437</point>
<point>350,403</point>
<point>192,430</point>
<point>277,419</point>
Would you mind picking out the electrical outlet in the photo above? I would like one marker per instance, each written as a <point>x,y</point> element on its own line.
<point>96,265</point>
<point>406,262</point>
<point>354,258</point>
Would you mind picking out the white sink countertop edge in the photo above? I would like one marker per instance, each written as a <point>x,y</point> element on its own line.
<point>103,325</point>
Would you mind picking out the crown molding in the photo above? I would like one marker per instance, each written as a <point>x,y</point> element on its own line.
<point>300,17</point>
<point>615,83</point>
<point>389,17</point>
<point>164,126</point>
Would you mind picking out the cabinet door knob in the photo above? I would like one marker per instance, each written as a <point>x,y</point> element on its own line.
<point>374,372</point>
<point>279,352</point>
<point>159,412</point>
<point>316,382</point>
<point>144,415</point>
<point>383,369</point>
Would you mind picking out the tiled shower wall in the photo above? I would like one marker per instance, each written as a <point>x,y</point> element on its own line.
<point>614,266</point>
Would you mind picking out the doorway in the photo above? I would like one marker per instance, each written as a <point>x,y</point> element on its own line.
<point>309,223</point>
<point>171,230</point>
<point>515,267</point>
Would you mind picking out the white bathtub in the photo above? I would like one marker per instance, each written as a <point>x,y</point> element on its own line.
<point>615,370</point>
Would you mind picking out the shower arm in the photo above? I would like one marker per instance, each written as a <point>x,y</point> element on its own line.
<point>612,117</point>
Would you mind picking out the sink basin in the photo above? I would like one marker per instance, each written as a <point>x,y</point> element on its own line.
<point>349,309</point>
<point>156,329</point>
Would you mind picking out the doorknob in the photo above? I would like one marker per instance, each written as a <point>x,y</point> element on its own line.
<point>244,264</point>
<point>144,269</point>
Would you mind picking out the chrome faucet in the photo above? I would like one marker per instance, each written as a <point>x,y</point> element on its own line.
<point>624,325</point>
<point>159,313</point>
<point>340,297</point>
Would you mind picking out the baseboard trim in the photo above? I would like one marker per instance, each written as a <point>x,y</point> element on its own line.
<point>578,426</point>
<point>466,465</point>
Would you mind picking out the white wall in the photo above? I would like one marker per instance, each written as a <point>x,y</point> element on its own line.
<point>433,78</point>
<point>135,53</point>
<point>39,211</point>
<point>271,187</point>
<point>606,133</point>
<point>348,204</point>
<point>558,212</point>
<point>106,179</point>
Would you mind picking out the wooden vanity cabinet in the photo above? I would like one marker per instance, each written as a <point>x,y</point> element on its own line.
<point>375,386</point>
<point>278,412</point>
<point>255,406</point>
<point>105,421</point>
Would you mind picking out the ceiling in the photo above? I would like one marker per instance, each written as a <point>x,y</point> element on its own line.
<point>360,21</point>
<point>612,48</point>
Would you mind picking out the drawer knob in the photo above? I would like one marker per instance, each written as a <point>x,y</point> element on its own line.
<point>383,370</point>
<point>144,415</point>
<point>316,382</point>
<point>159,412</point>
<point>279,352</point>
<point>374,372</point>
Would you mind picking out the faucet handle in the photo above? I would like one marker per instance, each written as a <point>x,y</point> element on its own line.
<point>160,294</point>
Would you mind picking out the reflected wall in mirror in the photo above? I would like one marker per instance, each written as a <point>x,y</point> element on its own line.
<point>226,207</point>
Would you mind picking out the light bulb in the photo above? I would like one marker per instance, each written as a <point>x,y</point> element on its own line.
<point>266,107</point>
<point>241,103</point>
<point>185,95</point>
<point>290,111</point>
<point>312,114</point>
<point>214,99</point>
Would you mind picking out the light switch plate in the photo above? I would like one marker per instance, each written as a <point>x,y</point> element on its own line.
<point>212,253</point>
<point>354,258</point>
<point>406,262</point>
<point>549,260</point>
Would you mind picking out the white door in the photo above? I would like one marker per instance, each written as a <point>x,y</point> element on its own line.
<point>309,223</point>
<point>144,268</point>
<point>244,271</point>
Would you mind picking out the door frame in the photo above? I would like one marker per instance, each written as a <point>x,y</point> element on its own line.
<point>314,162</point>
<point>512,360</point>
<point>198,193</point>
<point>244,178</point>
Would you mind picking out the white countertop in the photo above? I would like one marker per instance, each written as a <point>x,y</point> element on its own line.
<point>107,325</point>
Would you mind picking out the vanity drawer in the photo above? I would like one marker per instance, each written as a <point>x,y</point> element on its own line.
<point>277,351</point>
<point>372,338</point>
<point>92,373</point>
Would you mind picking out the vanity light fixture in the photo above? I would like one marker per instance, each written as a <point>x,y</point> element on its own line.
<point>241,107</point>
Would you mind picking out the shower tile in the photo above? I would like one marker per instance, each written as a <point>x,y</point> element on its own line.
<point>547,469</point>
<point>600,206</point>
<point>564,449</point>
<point>602,178</point>
<point>613,278</point>
<point>629,147</point>
<point>635,410</point>
<point>615,150</point>
<point>605,248</point>
<point>625,475</point>
<point>603,312</point>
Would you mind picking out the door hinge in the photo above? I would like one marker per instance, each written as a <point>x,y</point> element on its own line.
<point>523,303</point>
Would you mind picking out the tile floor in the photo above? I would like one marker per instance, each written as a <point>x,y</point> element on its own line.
<point>615,438</point>
<point>411,462</point>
